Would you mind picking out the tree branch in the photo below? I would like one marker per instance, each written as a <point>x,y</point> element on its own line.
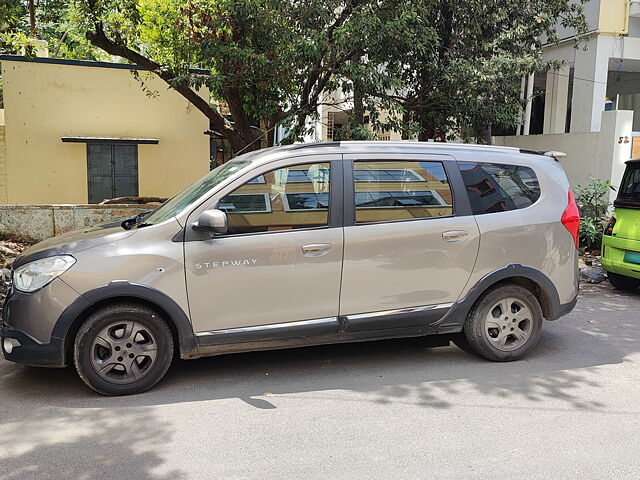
<point>100,40</point>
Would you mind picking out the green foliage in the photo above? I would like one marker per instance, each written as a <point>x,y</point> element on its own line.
<point>442,68</point>
<point>468,75</point>
<point>591,233</point>
<point>56,22</point>
<point>593,202</point>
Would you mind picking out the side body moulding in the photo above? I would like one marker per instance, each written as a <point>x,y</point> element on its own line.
<point>550,301</point>
<point>123,289</point>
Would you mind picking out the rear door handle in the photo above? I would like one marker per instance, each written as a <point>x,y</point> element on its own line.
<point>316,249</point>
<point>455,235</point>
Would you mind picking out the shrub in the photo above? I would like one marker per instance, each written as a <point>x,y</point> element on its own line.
<point>593,202</point>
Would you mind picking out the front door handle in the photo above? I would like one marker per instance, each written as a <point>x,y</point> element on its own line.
<point>455,235</point>
<point>316,249</point>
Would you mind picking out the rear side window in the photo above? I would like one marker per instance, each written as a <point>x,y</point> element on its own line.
<point>630,187</point>
<point>496,187</point>
<point>400,190</point>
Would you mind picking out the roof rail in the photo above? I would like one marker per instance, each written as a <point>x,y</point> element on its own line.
<point>315,145</point>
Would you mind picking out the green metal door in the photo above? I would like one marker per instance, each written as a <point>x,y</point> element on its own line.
<point>112,171</point>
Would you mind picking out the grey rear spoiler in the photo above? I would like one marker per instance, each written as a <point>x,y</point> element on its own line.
<point>551,153</point>
<point>555,154</point>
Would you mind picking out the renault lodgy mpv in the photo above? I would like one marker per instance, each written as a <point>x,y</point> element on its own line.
<point>306,245</point>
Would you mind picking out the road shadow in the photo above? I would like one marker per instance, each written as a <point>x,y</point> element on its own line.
<point>600,331</point>
<point>86,444</point>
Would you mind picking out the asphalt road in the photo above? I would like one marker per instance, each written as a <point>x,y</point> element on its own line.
<point>392,409</point>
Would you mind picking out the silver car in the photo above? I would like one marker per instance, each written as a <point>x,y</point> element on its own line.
<point>305,245</point>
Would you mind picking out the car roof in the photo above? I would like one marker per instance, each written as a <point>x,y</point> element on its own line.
<point>461,151</point>
<point>633,161</point>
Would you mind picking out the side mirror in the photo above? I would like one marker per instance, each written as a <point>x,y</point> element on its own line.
<point>214,221</point>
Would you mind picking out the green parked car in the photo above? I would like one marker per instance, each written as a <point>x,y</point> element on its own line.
<point>621,239</point>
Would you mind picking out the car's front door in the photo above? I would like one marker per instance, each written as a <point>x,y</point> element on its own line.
<point>410,240</point>
<point>277,270</point>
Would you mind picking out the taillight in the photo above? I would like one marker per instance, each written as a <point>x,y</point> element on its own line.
<point>571,218</point>
<point>610,225</point>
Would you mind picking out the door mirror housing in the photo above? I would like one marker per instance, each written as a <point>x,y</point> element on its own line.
<point>213,220</point>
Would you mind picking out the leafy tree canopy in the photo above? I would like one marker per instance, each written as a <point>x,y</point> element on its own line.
<point>470,77</point>
<point>443,68</point>
<point>55,22</point>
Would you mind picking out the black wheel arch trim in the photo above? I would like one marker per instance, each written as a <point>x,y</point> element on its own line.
<point>553,309</point>
<point>123,289</point>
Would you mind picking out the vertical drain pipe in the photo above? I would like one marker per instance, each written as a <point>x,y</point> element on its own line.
<point>527,111</point>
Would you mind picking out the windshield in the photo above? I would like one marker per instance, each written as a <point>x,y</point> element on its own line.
<point>630,187</point>
<point>190,194</point>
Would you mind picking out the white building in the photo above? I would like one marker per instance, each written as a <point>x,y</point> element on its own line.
<point>590,108</point>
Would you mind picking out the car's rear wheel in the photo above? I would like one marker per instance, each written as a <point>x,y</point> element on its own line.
<point>123,349</point>
<point>505,323</point>
<point>622,282</point>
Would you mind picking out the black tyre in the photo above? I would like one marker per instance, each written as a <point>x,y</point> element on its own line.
<point>622,282</point>
<point>504,324</point>
<point>123,349</point>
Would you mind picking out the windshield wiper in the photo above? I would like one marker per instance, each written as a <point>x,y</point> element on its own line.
<point>135,221</point>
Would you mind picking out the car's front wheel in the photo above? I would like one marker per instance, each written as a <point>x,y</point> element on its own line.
<point>505,324</point>
<point>123,349</point>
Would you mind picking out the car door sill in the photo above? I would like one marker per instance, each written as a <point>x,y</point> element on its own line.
<point>409,321</point>
<point>304,328</point>
<point>397,318</point>
<point>335,338</point>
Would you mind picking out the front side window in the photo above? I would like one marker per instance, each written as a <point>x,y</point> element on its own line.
<point>493,187</point>
<point>285,199</point>
<point>400,190</point>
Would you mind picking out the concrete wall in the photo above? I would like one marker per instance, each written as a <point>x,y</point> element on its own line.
<point>45,101</point>
<point>592,154</point>
<point>39,222</point>
<point>614,17</point>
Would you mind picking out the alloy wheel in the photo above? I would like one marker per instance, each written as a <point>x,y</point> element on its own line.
<point>123,352</point>
<point>509,324</point>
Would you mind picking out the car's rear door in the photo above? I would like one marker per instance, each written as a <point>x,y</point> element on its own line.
<point>410,241</point>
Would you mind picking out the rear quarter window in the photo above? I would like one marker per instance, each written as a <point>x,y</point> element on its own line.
<point>494,187</point>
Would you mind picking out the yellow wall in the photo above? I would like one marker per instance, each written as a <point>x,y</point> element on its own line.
<point>3,165</point>
<point>44,102</point>
<point>614,17</point>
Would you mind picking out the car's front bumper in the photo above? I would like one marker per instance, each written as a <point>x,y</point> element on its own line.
<point>613,251</point>
<point>28,321</point>
<point>20,347</point>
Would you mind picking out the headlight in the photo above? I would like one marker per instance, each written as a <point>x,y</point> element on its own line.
<point>35,275</point>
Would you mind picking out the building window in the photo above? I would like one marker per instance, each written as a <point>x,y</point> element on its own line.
<point>387,175</point>
<point>245,203</point>
<point>112,171</point>
<point>306,201</point>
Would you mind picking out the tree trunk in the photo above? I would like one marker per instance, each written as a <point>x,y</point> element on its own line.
<point>32,18</point>
<point>406,118</point>
<point>358,95</point>
<point>484,133</point>
<point>241,137</point>
<point>428,131</point>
